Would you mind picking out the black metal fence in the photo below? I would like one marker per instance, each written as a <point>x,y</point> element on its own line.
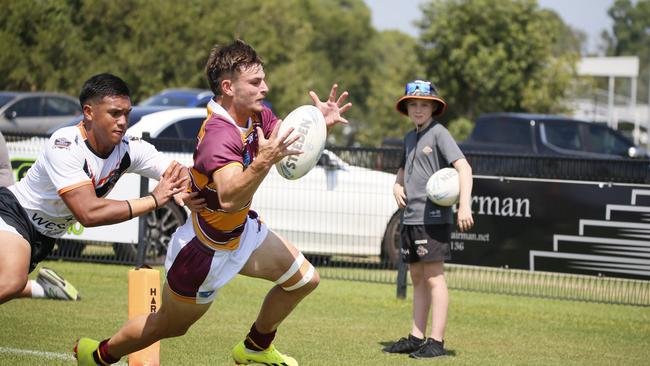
<point>344,218</point>
<point>565,168</point>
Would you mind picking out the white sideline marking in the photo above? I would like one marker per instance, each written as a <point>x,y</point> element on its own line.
<point>49,355</point>
<point>43,354</point>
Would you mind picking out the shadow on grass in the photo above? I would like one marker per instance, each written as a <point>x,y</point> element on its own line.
<point>450,352</point>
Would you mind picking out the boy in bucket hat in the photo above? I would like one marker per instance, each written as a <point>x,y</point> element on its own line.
<point>422,90</point>
<point>426,227</point>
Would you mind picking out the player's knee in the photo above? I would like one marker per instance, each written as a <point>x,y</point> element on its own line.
<point>301,276</point>
<point>12,286</point>
<point>437,281</point>
<point>311,284</point>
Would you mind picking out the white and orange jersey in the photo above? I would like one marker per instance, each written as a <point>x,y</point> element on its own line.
<point>68,162</point>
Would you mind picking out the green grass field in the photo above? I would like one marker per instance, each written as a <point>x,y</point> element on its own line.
<point>341,323</point>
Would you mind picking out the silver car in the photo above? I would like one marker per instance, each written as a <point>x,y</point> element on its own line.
<point>35,112</point>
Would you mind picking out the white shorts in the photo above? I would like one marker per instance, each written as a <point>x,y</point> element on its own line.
<point>195,272</point>
<point>8,228</point>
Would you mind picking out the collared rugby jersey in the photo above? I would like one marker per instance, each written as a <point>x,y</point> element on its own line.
<point>67,162</point>
<point>222,143</point>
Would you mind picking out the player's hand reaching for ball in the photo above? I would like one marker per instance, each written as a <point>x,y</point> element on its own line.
<point>277,146</point>
<point>332,108</point>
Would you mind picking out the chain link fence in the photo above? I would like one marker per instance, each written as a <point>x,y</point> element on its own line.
<point>344,218</point>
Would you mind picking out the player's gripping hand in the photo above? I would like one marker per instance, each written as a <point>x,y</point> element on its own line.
<point>173,181</point>
<point>192,201</point>
<point>188,199</point>
<point>276,147</point>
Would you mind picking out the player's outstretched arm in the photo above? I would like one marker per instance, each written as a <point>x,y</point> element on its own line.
<point>332,108</point>
<point>91,210</point>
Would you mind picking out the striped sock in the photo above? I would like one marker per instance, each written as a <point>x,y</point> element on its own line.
<point>256,341</point>
<point>101,355</point>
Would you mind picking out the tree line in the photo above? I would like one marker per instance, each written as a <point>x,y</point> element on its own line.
<point>484,55</point>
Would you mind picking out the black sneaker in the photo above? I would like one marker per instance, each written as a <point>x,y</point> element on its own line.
<point>405,345</point>
<point>430,348</point>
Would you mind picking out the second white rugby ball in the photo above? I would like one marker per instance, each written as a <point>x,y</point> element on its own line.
<point>443,187</point>
<point>309,124</point>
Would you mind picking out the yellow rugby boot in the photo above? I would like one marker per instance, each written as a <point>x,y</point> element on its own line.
<point>269,356</point>
<point>83,351</point>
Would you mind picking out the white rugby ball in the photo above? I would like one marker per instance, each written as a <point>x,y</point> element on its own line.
<point>309,124</point>
<point>443,187</point>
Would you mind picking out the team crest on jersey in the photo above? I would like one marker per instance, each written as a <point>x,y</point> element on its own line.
<point>205,294</point>
<point>108,184</point>
<point>62,143</point>
<point>250,147</point>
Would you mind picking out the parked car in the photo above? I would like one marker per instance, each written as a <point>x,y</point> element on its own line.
<point>35,112</point>
<point>336,209</point>
<point>134,117</point>
<point>177,123</point>
<point>183,97</point>
<point>540,134</point>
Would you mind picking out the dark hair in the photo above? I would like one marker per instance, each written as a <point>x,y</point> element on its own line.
<point>103,85</point>
<point>226,61</point>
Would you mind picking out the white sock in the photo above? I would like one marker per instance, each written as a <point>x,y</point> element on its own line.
<point>37,289</point>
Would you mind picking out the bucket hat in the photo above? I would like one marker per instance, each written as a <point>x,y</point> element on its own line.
<point>421,89</point>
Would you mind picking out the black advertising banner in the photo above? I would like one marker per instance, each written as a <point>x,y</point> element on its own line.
<point>558,226</point>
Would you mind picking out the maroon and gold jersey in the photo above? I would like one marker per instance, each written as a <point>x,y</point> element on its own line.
<point>222,143</point>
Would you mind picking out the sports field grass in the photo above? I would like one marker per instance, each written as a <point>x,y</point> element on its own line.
<point>341,323</point>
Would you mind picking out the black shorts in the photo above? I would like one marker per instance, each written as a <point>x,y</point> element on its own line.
<point>426,243</point>
<point>13,214</point>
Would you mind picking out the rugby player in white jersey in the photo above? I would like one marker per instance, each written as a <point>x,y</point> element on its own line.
<point>69,180</point>
<point>237,146</point>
